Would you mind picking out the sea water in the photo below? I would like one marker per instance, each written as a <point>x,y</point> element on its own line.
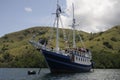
<point>21,74</point>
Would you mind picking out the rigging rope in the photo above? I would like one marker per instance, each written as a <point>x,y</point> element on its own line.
<point>82,43</point>
<point>52,30</point>
<point>64,34</point>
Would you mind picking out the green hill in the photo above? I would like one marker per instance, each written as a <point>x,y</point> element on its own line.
<point>15,50</point>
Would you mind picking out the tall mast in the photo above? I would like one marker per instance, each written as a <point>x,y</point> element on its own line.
<point>73,26</point>
<point>58,11</point>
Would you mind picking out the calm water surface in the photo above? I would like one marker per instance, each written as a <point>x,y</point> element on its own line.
<point>21,74</point>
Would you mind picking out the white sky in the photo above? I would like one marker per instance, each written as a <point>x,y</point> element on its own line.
<point>93,15</point>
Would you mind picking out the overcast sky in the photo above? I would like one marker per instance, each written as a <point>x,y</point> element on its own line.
<point>94,15</point>
<point>91,15</point>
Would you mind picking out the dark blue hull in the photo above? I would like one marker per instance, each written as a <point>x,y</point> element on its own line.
<point>62,64</point>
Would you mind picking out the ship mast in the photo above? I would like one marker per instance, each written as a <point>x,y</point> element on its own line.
<point>73,26</point>
<point>58,12</point>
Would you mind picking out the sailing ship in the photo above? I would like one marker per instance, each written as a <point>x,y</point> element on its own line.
<point>70,60</point>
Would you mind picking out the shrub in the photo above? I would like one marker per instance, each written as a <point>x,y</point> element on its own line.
<point>98,39</point>
<point>114,39</point>
<point>5,37</point>
<point>101,33</point>
<point>107,45</point>
<point>7,57</point>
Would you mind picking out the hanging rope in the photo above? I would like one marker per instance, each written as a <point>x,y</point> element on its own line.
<point>82,43</point>
<point>51,32</point>
<point>64,34</point>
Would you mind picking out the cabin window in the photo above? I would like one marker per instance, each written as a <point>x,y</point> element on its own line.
<point>85,60</point>
<point>76,57</point>
<point>81,59</point>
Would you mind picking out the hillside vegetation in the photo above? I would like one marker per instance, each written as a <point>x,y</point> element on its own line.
<point>16,51</point>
